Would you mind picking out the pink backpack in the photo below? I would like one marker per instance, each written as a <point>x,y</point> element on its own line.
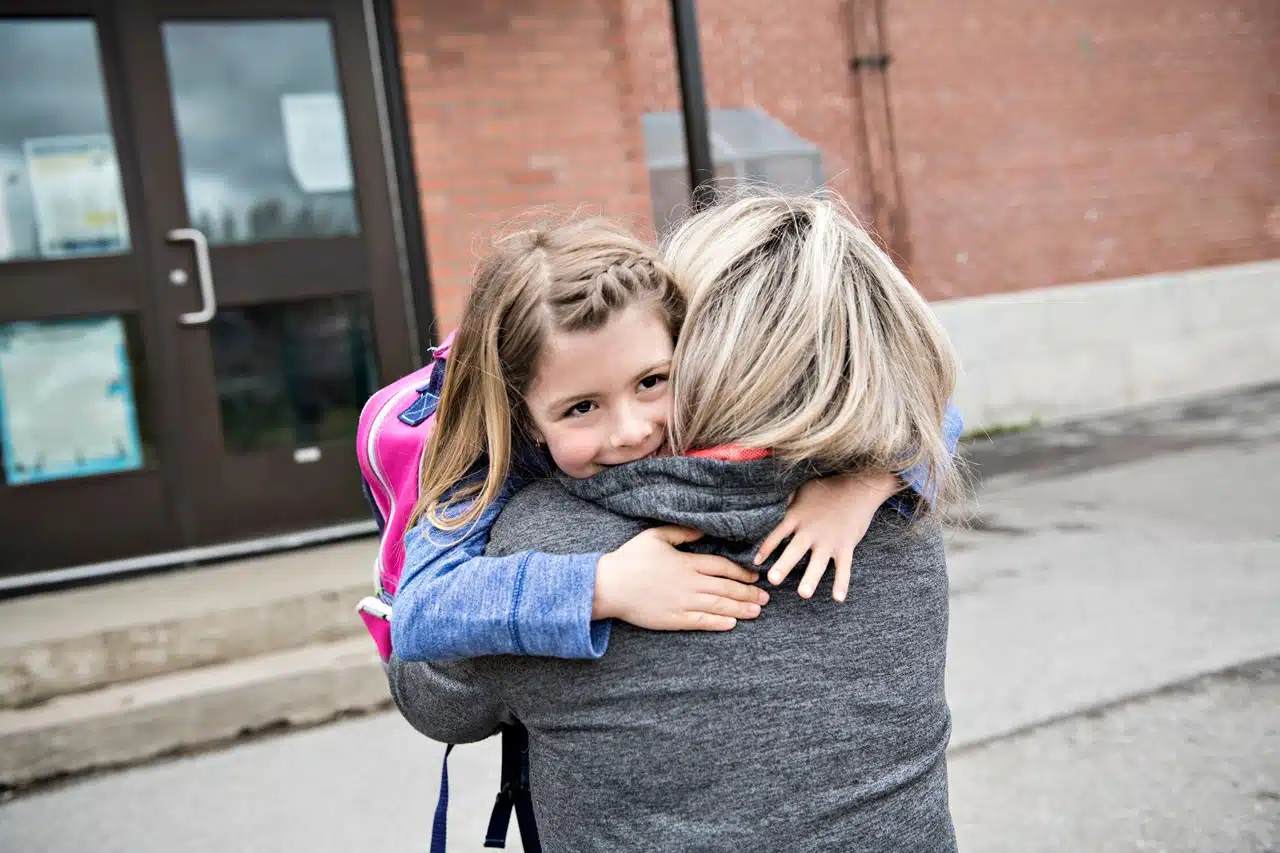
<point>394,427</point>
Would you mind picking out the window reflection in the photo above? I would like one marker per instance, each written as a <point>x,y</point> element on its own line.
<point>60,191</point>
<point>747,145</point>
<point>262,130</point>
<point>293,373</point>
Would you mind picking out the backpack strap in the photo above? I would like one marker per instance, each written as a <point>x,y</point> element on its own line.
<point>428,399</point>
<point>442,806</point>
<point>514,793</point>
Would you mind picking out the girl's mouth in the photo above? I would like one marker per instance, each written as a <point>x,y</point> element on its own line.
<point>661,451</point>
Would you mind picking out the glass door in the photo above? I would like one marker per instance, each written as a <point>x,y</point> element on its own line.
<point>199,280</point>
<point>259,131</point>
<point>83,435</point>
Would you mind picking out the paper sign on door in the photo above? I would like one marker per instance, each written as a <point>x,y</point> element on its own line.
<point>315,133</point>
<point>76,191</point>
<point>66,400</point>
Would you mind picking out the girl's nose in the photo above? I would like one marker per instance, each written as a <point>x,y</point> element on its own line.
<point>631,430</point>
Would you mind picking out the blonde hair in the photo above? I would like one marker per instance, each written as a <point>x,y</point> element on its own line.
<point>572,276</point>
<point>802,337</point>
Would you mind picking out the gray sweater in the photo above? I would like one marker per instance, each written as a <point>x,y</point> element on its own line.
<point>816,727</point>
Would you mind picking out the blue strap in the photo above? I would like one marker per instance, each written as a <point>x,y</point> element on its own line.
<point>528,825</point>
<point>420,409</point>
<point>428,399</point>
<point>499,820</point>
<point>514,794</point>
<point>442,806</point>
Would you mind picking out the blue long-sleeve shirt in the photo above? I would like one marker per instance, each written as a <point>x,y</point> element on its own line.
<point>453,602</point>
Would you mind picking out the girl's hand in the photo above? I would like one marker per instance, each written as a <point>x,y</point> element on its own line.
<point>650,584</point>
<point>826,519</point>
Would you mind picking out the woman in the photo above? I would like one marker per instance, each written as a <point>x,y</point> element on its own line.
<point>818,725</point>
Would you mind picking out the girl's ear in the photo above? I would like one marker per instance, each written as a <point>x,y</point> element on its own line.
<point>536,435</point>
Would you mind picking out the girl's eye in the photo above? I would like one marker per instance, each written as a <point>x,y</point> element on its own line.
<point>652,381</point>
<point>577,410</point>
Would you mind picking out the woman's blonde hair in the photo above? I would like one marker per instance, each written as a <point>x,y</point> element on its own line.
<point>570,276</point>
<point>802,337</point>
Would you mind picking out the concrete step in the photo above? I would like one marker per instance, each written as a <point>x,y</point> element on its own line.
<point>164,714</point>
<point>86,639</point>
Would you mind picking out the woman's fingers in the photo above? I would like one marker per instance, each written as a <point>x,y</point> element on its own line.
<point>844,572</point>
<point>771,542</point>
<point>813,573</point>
<point>791,555</point>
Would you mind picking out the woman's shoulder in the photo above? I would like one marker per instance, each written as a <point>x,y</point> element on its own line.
<point>543,516</point>
<point>535,496</point>
<point>894,536</point>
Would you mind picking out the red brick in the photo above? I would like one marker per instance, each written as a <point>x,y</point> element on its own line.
<point>1036,143</point>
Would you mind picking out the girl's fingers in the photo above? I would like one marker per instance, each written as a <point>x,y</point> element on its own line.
<point>674,534</point>
<point>844,571</point>
<point>708,622</point>
<point>792,554</point>
<point>771,542</point>
<point>720,567</point>
<point>817,567</point>
<point>718,605</point>
<point>732,590</point>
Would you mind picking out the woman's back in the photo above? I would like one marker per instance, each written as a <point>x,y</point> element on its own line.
<point>818,726</point>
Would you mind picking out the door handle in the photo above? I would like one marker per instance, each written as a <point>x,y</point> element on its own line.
<point>204,274</point>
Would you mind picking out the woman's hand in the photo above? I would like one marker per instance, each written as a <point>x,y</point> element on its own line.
<point>827,519</point>
<point>650,584</point>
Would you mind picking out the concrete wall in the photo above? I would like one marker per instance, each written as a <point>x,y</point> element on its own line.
<point>1066,351</point>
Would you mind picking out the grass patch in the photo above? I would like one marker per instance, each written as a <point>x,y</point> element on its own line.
<point>997,430</point>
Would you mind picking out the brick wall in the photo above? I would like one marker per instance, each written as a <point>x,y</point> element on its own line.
<point>790,59</point>
<point>1036,144</point>
<point>515,104</point>
<point>1053,143</point>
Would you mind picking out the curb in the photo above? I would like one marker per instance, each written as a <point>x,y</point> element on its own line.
<point>89,638</point>
<point>133,722</point>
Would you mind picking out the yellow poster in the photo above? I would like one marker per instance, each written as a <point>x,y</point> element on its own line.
<point>76,191</point>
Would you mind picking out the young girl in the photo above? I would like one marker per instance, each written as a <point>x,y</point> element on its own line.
<point>518,398</point>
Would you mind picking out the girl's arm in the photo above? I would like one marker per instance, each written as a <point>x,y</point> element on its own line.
<point>917,477</point>
<point>828,517</point>
<point>453,602</point>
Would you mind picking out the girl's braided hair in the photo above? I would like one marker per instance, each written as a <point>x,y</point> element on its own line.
<point>570,276</point>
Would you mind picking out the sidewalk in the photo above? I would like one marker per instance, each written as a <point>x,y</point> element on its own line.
<point>1114,557</point>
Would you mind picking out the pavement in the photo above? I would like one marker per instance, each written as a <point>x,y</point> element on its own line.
<point>1195,767</point>
<point>1114,651</point>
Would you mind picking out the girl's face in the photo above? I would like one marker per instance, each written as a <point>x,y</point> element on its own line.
<point>600,398</point>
